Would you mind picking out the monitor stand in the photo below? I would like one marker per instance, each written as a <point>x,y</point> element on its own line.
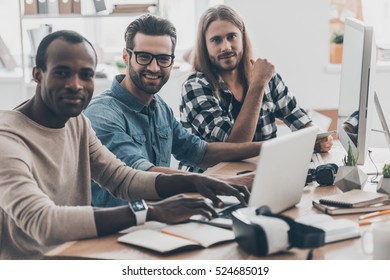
<point>382,120</point>
<point>378,156</point>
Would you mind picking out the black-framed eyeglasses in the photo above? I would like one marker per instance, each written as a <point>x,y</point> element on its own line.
<point>145,58</point>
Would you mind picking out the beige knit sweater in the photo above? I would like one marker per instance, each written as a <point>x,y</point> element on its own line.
<point>45,178</point>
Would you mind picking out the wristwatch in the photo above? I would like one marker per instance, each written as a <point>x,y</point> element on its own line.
<point>140,210</point>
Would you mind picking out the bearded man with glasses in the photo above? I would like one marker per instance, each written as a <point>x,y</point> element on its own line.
<point>136,124</point>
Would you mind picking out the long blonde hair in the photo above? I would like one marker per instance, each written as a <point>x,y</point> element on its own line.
<point>201,60</point>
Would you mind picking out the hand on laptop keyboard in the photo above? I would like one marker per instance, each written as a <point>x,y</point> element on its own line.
<point>211,189</point>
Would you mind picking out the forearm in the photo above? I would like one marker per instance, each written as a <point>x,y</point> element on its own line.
<point>167,170</point>
<point>218,152</point>
<point>173,184</point>
<point>113,220</point>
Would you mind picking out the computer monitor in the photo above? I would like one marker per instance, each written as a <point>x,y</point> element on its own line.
<point>356,87</point>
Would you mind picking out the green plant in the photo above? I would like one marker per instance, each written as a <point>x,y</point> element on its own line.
<point>386,171</point>
<point>350,159</point>
<point>337,37</point>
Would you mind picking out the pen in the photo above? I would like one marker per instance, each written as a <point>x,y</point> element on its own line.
<point>374,214</point>
<point>369,222</point>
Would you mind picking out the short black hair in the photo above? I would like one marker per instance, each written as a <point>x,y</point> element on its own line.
<point>66,35</point>
<point>149,24</point>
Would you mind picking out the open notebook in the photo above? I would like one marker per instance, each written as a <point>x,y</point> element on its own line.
<point>171,238</point>
<point>280,174</point>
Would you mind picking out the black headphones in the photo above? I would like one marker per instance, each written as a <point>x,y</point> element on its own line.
<point>323,174</point>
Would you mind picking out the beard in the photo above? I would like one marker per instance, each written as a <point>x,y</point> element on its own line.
<point>148,87</point>
<point>224,64</point>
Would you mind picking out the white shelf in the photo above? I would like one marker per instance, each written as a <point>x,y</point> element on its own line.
<point>381,66</point>
<point>89,25</point>
<point>65,16</point>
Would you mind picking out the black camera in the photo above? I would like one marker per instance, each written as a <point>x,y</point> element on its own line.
<point>323,174</point>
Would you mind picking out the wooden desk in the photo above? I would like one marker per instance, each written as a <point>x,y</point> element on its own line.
<point>109,248</point>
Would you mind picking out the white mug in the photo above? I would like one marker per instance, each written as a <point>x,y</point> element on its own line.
<point>376,241</point>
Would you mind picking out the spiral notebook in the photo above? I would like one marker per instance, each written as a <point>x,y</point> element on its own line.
<point>334,210</point>
<point>353,198</point>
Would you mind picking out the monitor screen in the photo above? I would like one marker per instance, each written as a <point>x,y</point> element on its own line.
<point>356,87</point>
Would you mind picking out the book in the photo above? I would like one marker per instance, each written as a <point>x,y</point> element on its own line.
<point>64,6</point>
<point>30,7</point>
<point>42,7</point>
<point>52,7</point>
<point>334,210</point>
<point>335,230</point>
<point>353,198</point>
<point>76,7</point>
<point>100,5</point>
<point>133,8</point>
<point>174,237</point>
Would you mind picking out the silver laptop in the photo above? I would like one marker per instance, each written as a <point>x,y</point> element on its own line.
<point>280,174</point>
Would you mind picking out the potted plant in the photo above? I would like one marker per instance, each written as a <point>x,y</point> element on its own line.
<point>384,183</point>
<point>336,47</point>
<point>350,176</point>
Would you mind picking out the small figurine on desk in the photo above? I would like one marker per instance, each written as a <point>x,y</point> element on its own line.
<point>349,176</point>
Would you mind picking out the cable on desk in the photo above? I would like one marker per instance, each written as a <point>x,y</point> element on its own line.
<point>373,179</point>
<point>310,254</point>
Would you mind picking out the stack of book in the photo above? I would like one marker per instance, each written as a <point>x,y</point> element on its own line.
<point>133,8</point>
<point>354,201</point>
<point>52,7</point>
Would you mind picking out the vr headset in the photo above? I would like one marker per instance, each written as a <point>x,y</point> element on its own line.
<point>261,233</point>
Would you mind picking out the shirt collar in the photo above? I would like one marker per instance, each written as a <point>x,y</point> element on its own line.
<point>126,97</point>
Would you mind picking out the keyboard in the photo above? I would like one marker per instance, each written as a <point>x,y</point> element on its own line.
<point>224,218</point>
<point>316,160</point>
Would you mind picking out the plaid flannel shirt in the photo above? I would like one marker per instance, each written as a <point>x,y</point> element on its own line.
<point>212,118</point>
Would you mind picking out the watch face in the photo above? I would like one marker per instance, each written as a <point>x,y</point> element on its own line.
<point>138,205</point>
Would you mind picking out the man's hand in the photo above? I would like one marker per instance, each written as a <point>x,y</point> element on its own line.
<point>179,208</point>
<point>173,184</point>
<point>210,188</point>
<point>262,72</point>
<point>323,145</point>
<point>245,179</point>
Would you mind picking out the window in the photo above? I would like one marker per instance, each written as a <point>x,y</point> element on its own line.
<point>374,12</point>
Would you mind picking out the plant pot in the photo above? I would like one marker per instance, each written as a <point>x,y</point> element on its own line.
<point>384,186</point>
<point>336,53</point>
<point>349,178</point>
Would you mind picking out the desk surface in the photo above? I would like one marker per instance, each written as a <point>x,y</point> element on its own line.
<point>108,247</point>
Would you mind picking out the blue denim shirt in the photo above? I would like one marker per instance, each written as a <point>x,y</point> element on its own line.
<point>140,136</point>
